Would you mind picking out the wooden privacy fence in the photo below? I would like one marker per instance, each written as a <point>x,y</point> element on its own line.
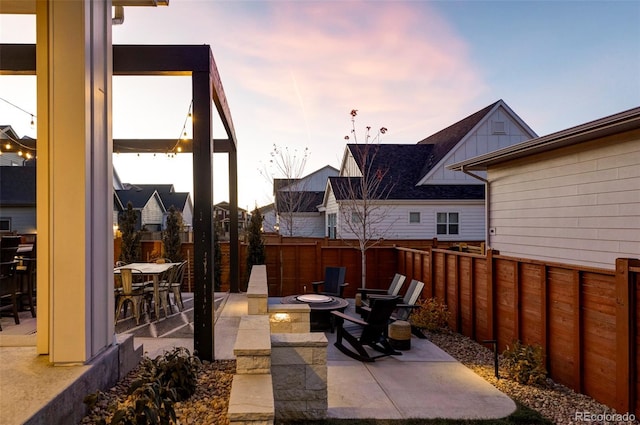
<point>292,267</point>
<point>586,319</point>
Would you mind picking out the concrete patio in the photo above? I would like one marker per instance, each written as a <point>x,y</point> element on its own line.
<point>425,382</point>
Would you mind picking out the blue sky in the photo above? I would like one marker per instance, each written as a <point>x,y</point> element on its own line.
<point>292,71</point>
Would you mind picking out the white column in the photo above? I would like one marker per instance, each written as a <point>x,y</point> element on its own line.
<point>74,179</point>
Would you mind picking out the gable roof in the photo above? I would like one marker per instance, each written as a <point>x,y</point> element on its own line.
<point>401,167</point>
<point>175,199</point>
<point>282,183</point>
<point>447,139</point>
<point>18,186</point>
<point>614,124</point>
<point>137,197</point>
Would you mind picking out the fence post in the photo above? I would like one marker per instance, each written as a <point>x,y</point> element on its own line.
<point>625,338</point>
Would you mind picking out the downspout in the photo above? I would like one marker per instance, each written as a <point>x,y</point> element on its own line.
<point>487,197</point>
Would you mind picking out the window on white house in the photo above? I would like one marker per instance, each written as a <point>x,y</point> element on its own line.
<point>332,222</point>
<point>447,223</point>
<point>5,224</point>
<point>355,218</point>
<point>414,217</point>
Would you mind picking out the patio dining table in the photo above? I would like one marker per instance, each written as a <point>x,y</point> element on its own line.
<point>155,270</point>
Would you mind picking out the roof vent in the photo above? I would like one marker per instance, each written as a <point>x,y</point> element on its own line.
<point>498,127</point>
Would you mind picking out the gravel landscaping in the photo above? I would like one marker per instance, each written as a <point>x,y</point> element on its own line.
<point>554,401</point>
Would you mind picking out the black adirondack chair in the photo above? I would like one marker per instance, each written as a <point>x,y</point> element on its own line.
<point>333,283</point>
<point>366,333</point>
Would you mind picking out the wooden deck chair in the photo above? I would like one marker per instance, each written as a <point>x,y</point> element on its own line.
<point>393,290</point>
<point>408,303</point>
<point>366,333</point>
<point>403,309</point>
<point>333,283</point>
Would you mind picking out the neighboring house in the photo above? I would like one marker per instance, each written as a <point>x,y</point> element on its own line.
<point>421,198</point>
<point>569,197</point>
<point>15,151</point>
<point>148,205</point>
<point>297,201</point>
<point>269,218</point>
<point>18,200</point>
<point>221,213</point>
<point>181,201</point>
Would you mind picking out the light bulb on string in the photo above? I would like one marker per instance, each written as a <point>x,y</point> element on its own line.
<point>179,149</point>
<point>28,155</point>
<point>32,124</point>
<point>19,153</point>
<point>7,146</point>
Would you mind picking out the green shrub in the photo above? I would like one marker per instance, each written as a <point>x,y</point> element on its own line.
<point>431,315</point>
<point>525,363</point>
<point>159,383</point>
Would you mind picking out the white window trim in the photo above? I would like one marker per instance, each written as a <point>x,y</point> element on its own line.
<point>448,223</point>
<point>414,222</point>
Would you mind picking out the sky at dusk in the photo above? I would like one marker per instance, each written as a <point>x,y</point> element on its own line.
<point>292,72</point>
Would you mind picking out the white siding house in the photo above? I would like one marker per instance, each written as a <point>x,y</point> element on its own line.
<point>297,202</point>
<point>419,197</point>
<point>570,197</point>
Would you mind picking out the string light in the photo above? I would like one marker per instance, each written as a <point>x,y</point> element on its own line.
<point>183,133</point>
<point>20,146</point>
<point>21,109</point>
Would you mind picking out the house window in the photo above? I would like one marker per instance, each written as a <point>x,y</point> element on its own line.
<point>414,217</point>
<point>332,221</point>
<point>448,223</point>
<point>5,224</point>
<point>355,218</point>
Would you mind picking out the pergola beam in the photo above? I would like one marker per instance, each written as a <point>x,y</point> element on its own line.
<point>165,145</point>
<point>196,61</point>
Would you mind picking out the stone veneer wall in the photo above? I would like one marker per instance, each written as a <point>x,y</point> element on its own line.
<point>281,367</point>
<point>299,373</point>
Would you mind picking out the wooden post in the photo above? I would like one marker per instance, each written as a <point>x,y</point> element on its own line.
<point>625,338</point>
<point>544,315</point>
<point>578,331</point>
<point>516,300</point>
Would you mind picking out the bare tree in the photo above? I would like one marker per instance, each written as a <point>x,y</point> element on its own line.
<point>361,192</point>
<point>291,197</point>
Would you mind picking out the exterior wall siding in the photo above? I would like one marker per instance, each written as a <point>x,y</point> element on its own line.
<point>350,167</point>
<point>311,225</point>
<point>579,205</point>
<point>23,219</point>
<point>8,159</point>
<point>152,212</point>
<point>394,222</point>
<point>187,215</point>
